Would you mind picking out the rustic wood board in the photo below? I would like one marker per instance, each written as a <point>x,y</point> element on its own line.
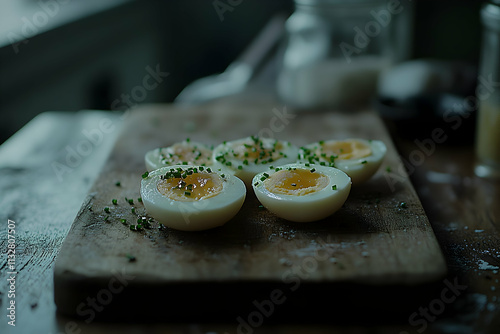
<point>371,244</point>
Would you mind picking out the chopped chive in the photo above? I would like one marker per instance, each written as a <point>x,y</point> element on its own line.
<point>132,228</point>
<point>130,258</point>
<point>145,175</point>
<point>403,205</point>
<point>130,201</point>
<point>139,199</point>
<point>106,209</point>
<point>187,193</point>
<point>114,201</point>
<point>334,187</point>
<point>133,211</point>
<point>388,169</point>
<point>364,162</point>
<point>118,183</point>
<point>106,218</point>
<point>123,221</point>
<point>313,170</point>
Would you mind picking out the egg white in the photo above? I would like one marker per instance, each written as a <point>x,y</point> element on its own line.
<point>159,157</point>
<point>247,170</point>
<point>197,215</point>
<point>305,208</point>
<point>358,169</point>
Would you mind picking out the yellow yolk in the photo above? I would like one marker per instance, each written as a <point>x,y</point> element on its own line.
<point>296,182</point>
<point>194,187</point>
<point>178,153</point>
<point>253,151</point>
<point>346,150</point>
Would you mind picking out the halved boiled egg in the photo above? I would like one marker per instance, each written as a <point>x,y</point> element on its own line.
<point>358,158</point>
<point>186,152</point>
<point>302,194</point>
<point>192,198</point>
<point>249,156</point>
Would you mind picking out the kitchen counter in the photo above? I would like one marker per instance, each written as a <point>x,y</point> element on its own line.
<point>41,199</point>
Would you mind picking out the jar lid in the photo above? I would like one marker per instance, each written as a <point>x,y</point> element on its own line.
<point>490,15</point>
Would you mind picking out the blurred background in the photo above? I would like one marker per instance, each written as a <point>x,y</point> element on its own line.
<point>71,55</point>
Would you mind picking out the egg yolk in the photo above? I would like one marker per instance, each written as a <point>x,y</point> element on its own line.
<point>193,187</point>
<point>346,150</point>
<point>296,182</point>
<point>256,151</point>
<point>179,153</point>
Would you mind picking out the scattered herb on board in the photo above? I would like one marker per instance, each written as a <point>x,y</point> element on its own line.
<point>114,201</point>
<point>145,175</point>
<point>130,258</point>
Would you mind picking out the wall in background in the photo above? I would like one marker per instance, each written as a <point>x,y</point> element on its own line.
<point>91,62</point>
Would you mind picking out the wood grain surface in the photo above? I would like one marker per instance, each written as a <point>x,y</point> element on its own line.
<point>372,244</point>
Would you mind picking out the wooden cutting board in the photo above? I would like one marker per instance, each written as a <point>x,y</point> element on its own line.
<point>379,249</point>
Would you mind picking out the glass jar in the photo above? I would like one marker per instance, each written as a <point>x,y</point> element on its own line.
<point>488,95</point>
<point>336,49</point>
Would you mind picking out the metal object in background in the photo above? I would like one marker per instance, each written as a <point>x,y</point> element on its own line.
<point>238,74</point>
<point>488,95</point>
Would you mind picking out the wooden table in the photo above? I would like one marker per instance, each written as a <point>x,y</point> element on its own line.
<point>462,209</point>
